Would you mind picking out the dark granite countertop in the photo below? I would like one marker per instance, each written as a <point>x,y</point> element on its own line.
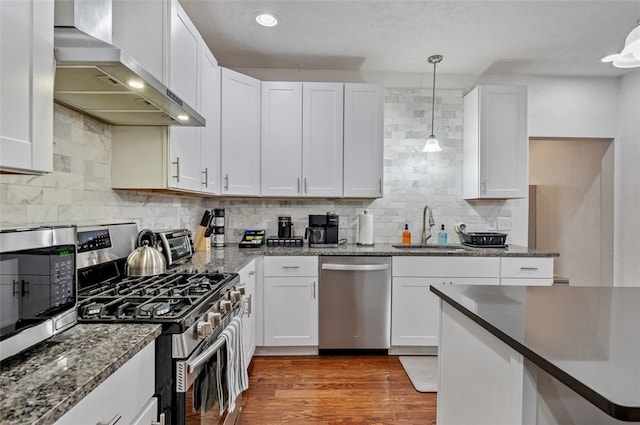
<point>586,337</point>
<point>40,385</point>
<point>231,258</point>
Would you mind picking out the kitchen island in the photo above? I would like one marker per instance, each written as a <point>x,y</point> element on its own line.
<point>539,355</point>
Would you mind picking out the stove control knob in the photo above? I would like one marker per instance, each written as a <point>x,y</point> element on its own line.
<point>225,306</point>
<point>235,296</point>
<point>240,288</point>
<point>214,318</point>
<point>204,329</point>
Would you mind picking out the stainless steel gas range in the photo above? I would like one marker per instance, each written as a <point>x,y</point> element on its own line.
<point>193,307</point>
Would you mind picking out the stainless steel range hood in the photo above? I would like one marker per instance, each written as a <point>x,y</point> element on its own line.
<point>101,80</point>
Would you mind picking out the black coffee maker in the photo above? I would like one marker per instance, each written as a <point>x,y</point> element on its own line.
<point>322,231</point>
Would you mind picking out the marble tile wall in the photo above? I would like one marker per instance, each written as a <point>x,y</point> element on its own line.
<point>79,190</point>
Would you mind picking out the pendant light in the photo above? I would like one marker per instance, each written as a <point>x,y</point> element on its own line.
<point>432,144</point>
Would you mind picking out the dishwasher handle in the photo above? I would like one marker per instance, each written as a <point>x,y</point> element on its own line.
<point>355,267</point>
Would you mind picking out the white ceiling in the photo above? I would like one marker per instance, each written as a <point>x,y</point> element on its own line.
<point>554,37</point>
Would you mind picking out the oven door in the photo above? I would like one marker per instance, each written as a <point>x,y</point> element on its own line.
<point>201,376</point>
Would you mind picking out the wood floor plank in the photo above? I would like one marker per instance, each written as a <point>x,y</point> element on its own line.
<point>333,390</point>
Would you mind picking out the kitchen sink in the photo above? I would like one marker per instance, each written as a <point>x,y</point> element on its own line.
<point>439,248</point>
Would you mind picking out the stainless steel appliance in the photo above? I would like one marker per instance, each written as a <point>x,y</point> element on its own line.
<point>37,285</point>
<point>285,227</point>
<point>323,230</point>
<point>192,307</point>
<point>176,245</point>
<point>354,296</point>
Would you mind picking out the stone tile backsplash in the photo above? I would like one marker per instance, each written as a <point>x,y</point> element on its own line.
<point>79,190</point>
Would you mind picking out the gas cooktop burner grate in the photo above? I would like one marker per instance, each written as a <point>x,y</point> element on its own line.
<point>167,297</point>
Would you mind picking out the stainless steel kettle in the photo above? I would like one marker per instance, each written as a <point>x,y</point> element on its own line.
<point>146,260</point>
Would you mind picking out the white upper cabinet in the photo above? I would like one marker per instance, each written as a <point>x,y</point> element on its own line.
<point>322,138</point>
<point>26,86</point>
<point>210,134</point>
<point>496,147</point>
<point>281,162</point>
<point>183,57</point>
<point>240,134</point>
<point>363,140</point>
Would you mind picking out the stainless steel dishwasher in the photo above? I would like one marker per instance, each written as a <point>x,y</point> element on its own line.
<point>354,296</point>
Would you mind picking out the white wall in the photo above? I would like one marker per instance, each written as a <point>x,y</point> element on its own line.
<point>627,194</point>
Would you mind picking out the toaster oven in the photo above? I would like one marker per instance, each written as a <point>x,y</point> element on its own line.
<point>176,245</point>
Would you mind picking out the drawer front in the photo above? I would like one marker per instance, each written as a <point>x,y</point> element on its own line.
<point>512,281</point>
<point>446,266</point>
<point>291,266</point>
<point>527,267</point>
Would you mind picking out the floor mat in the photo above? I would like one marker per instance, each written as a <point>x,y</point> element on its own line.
<point>422,371</point>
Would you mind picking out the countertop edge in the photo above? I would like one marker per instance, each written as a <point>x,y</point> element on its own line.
<point>79,394</point>
<point>616,411</point>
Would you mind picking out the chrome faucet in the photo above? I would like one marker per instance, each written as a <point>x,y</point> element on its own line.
<point>426,232</point>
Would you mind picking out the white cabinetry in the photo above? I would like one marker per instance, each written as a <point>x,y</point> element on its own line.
<point>175,158</point>
<point>128,392</point>
<point>302,139</point>
<point>290,301</point>
<point>248,279</point>
<point>322,138</point>
<point>26,86</point>
<point>526,271</point>
<point>496,147</point>
<point>281,162</point>
<point>363,140</point>
<point>240,134</point>
<point>414,308</point>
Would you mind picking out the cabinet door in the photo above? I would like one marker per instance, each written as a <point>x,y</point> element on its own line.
<point>248,279</point>
<point>363,140</point>
<point>183,56</point>
<point>184,157</point>
<point>210,134</point>
<point>281,147</point>
<point>496,146</point>
<point>415,312</point>
<point>322,138</point>
<point>240,134</point>
<point>26,85</point>
<point>290,311</point>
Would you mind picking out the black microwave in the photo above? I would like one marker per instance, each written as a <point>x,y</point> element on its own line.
<point>38,291</point>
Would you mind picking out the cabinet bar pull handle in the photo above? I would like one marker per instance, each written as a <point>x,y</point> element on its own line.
<point>226,182</point>
<point>290,267</point>
<point>16,288</point>
<point>206,177</point>
<point>113,421</point>
<point>528,268</point>
<point>305,186</point>
<point>251,273</point>
<point>177,164</point>
<point>483,187</point>
<point>298,185</point>
<point>250,306</point>
<point>380,183</point>
<point>314,289</point>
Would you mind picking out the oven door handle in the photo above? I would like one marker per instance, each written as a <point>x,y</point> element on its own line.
<point>199,360</point>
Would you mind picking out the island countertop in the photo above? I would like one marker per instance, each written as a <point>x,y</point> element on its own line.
<point>588,338</point>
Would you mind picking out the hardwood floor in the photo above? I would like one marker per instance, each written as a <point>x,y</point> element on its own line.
<point>326,390</point>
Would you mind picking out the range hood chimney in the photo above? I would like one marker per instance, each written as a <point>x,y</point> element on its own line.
<point>101,80</point>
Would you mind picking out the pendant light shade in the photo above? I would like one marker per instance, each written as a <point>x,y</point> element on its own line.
<point>629,57</point>
<point>432,144</point>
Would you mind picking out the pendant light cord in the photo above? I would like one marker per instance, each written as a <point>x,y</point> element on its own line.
<point>433,100</point>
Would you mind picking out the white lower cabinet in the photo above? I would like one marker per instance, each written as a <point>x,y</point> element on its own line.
<point>248,279</point>
<point>415,309</point>
<point>127,393</point>
<point>290,301</point>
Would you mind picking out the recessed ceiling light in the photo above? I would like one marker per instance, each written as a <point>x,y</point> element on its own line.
<point>267,19</point>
